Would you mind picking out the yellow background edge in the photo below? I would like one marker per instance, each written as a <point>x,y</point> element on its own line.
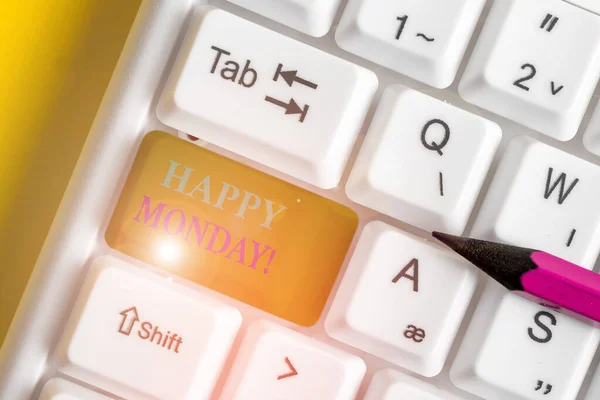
<point>56,59</point>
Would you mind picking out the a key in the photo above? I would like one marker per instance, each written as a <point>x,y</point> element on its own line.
<point>313,17</point>
<point>278,363</point>
<point>536,62</point>
<point>517,349</point>
<point>293,108</point>
<point>62,389</point>
<point>544,199</point>
<point>423,39</point>
<point>401,299</point>
<point>231,228</point>
<point>388,384</point>
<point>138,334</point>
<point>423,161</point>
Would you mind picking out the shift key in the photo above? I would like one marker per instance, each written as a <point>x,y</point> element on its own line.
<point>231,228</point>
<point>267,97</point>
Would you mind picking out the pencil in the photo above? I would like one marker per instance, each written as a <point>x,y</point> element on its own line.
<point>537,273</point>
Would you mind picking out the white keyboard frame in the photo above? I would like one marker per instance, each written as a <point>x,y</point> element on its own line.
<point>127,113</point>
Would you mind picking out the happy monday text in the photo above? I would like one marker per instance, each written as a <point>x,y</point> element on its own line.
<point>205,234</point>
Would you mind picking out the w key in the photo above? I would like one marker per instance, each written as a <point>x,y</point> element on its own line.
<point>544,199</point>
<point>537,63</point>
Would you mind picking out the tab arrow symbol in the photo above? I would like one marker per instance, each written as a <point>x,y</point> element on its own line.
<point>292,372</point>
<point>130,317</point>
<point>292,76</point>
<point>290,108</point>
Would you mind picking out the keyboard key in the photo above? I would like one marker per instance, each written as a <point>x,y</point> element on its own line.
<point>423,161</point>
<point>545,199</point>
<point>313,17</point>
<point>424,39</point>
<point>590,5</point>
<point>278,363</point>
<point>388,384</point>
<point>591,136</point>
<point>231,228</point>
<point>401,299</point>
<point>593,392</point>
<point>517,349</point>
<point>296,108</point>
<point>61,389</point>
<point>536,62</point>
<point>137,334</point>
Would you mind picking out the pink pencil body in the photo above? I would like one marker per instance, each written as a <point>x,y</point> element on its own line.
<point>564,284</point>
<point>561,285</point>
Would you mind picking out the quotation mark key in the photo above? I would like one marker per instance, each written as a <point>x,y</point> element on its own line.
<point>552,20</point>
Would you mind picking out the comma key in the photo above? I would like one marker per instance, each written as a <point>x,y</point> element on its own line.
<point>131,332</point>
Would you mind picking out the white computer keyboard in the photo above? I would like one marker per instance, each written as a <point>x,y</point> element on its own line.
<point>249,217</point>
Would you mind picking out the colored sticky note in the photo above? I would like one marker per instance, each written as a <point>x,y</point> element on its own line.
<point>231,228</point>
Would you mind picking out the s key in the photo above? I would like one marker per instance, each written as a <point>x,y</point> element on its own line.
<point>517,349</point>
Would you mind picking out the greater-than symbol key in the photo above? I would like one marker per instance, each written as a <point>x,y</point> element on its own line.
<point>292,372</point>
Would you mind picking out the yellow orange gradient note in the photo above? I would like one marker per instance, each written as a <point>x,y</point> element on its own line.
<point>231,228</point>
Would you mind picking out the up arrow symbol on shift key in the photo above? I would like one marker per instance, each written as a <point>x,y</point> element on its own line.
<point>130,317</point>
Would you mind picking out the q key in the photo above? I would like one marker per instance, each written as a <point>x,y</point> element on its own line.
<point>422,170</point>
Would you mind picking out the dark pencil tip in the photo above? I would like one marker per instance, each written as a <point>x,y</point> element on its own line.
<point>504,263</point>
<point>454,242</point>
